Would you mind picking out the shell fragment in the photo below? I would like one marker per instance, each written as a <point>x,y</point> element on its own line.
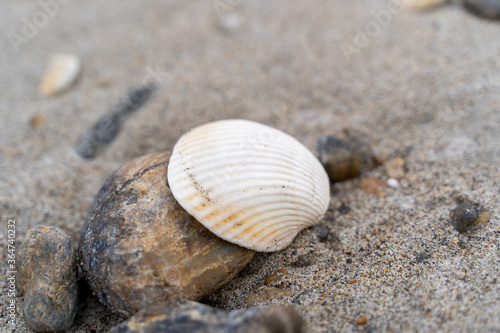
<point>61,73</point>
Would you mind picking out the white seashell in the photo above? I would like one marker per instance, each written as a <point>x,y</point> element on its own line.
<point>248,183</point>
<point>62,72</point>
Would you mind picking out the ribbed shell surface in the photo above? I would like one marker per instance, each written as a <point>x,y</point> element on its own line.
<point>248,183</point>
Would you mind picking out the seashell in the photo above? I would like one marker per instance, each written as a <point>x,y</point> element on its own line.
<point>248,183</point>
<point>62,72</point>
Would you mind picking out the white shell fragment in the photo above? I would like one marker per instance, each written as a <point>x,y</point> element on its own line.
<point>248,183</point>
<point>62,72</point>
<point>421,4</point>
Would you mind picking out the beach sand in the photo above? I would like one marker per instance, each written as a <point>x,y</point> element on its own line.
<point>421,86</point>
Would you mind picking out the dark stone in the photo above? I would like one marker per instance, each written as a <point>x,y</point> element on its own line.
<point>488,9</point>
<point>105,130</point>
<point>344,209</point>
<point>321,232</point>
<point>192,317</point>
<point>340,159</point>
<point>464,216</point>
<point>47,276</point>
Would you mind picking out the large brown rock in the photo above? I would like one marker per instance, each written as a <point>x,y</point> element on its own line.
<point>140,246</point>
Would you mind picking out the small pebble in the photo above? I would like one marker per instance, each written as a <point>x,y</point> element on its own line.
<point>37,120</point>
<point>321,232</point>
<point>393,182</point>
<point>464,216</point>
<point>267,295</point>
<point>488,9</point>
<point>47,276</point>
<point>139,246</point>
<point>303,260</point>
<point>275,275</point>
<point>340,159</point>
<point>62,72</point>
<point>373,186</point>
<point>362,320</point>
<point>395,168</point>
<point>421,4</point>
<point>192,317</point>
<point>460,275</point>
<point>483,218</point>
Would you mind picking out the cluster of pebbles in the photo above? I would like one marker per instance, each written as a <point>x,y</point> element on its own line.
<point>149,260</point>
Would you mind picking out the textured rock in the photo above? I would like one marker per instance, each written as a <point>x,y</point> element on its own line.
<point>47,276</point>
<point>139,246</point>
<point>192,317</point>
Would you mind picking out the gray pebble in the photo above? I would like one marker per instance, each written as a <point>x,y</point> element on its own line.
<point>464,216</point>
<point>47,276</point>
<point>488,9</point>
<point>192,317</point>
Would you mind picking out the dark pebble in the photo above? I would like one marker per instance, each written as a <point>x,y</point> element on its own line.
<point>192,317</point>
<point>47,276</point>
<point>321,232</point>
<point>340,159</point>
<point>303,260</point>
<point>105,130</point>
<point>464,216</point>
<point>139,246</point>
<point>488,9</point>
<point>344,209</point>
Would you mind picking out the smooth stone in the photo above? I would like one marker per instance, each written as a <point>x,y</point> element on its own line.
<point>139,246</point>
<point>339,158</point>
<point>192,317</point>
<point>47,276</point>
<point>488,9</point>
<point>464,216</point>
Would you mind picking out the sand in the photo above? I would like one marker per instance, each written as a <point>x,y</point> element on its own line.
<point>423,86</point>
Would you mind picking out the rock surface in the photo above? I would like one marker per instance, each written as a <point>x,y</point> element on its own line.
<point>47,276</point>
<point>140,246</point>
<point>192,317</point>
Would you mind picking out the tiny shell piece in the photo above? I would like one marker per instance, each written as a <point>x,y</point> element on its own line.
<point>62,72</point>
<point>248,183</point>
<point>421,4</point>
